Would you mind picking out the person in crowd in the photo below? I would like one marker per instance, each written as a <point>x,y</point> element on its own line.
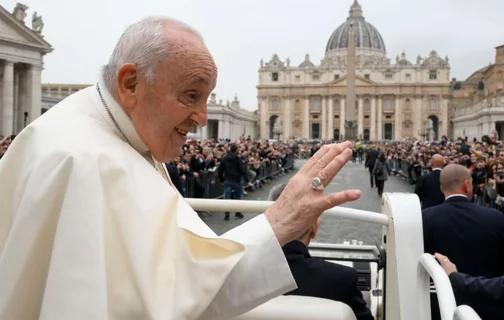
<point>381,171</point>
<point>92,228</point>
<point>371,157</point>
<point>428,187</point>
<point>319,278</point>
<point>480,180</point>
<point>484,295</point>
<point>5,142</point>
<point>314,149</point>
<point>471,235</point>
<point>231,172</point>
<point>173,173</point>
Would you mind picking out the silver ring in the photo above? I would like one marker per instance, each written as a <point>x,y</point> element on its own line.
<point>317,184</point>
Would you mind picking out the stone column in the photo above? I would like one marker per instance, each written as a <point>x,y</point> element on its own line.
<point>17,103</point>
<point>342,117</point>
<point>34,93</point>
<point>220,133</point>
<point>263,105</point>
<point>380,120</point>
<point>204,132</point>
<point>287,123</point>
<point>323,133</point>
<point>372,134</point>
<point>417,115</point>
<point>444,117</point>
<point>397,121</point>
<point>360,127</point>
<point>306,119</point>
<point>330,118</point>
<point>8,98</point>
<point>227,129</point>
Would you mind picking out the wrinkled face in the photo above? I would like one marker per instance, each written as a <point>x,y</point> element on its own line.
<point>164,111</point>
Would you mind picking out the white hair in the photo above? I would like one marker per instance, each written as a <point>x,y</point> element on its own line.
<point>145,44</point>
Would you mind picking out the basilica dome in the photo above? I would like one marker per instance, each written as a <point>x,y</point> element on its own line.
<point>366,35</point>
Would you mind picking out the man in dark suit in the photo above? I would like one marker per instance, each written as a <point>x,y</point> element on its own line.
<point>428,187</point>
<point>319,278</point>
<point>371,157</point>
<point>471,235</point>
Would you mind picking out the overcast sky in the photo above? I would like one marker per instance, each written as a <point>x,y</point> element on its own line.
<point>241,32</point>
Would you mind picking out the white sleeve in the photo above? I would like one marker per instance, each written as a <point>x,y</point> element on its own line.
<point>262,273</point>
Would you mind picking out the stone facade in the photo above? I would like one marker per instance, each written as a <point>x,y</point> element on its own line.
<point>478,102</point>
<point>54,93</point>
<point>21,62</point>
<point>394,100</point>
<point>227,121</point>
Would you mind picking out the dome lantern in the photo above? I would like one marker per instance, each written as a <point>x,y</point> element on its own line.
<point>366,35</point>
<point>356,10</point>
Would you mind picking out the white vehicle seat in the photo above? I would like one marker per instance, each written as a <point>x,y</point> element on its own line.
<point>299,308</point>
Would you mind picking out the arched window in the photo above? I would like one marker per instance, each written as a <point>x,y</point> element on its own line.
<point>407,105</point>
<point>316,104</point>
<point>297,106</point>
<point>336,106</point>
<point>432,104</point>
<point>388,103</point>
<point>367,104</point>
<point>274,105</point>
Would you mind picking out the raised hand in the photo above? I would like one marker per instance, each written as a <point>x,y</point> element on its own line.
<point>300,205</point>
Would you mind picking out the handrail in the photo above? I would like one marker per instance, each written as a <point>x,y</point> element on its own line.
<point>444,290</point>
<point>465,313</point>
<point>252,206</point>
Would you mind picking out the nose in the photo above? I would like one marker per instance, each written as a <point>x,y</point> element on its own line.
<point>200,116</point>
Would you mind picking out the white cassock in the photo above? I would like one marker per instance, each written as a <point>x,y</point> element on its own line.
<point>89,229</point>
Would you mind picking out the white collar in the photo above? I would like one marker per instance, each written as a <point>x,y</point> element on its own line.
<point>436,169</point>
<point>456,195</point>
<point>121,118</point>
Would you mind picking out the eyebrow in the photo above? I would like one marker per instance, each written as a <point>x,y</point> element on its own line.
<point>199,79</point>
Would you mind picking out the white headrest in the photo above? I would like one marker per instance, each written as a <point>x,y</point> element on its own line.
<point>299,307</point>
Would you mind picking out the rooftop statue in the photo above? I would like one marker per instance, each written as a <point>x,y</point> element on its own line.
<point>37,23</point>
<point>20,12</point>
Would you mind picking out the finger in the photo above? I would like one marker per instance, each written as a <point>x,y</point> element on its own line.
<point>313,160</point>
<point>334,150</point>
<point>329,172</point>
<point>335,199</point>
<point>442,259</point>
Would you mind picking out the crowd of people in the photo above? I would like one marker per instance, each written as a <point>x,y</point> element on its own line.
<point>484,158</point>
<point>215,168</point>
<point>5,143</point>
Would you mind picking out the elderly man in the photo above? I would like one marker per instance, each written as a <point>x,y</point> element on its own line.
<point>91,226</point>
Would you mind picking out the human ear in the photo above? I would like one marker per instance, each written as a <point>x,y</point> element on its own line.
<point>128,78</point>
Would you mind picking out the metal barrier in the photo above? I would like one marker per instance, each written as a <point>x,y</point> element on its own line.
<point>208,186</point>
